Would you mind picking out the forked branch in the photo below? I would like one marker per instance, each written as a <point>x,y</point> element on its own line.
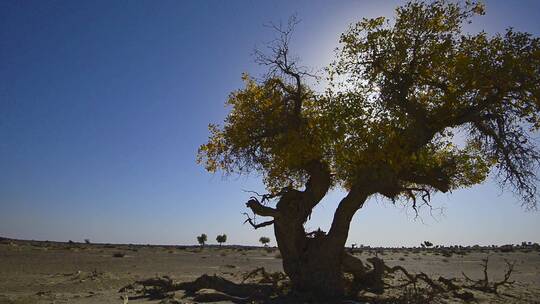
<point>251,221</point>
<point>484,284</point>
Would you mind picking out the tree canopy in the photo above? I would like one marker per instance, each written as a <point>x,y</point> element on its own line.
<point>413,106</point>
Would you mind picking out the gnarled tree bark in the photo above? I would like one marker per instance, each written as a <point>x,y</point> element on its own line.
<point>313,261</point>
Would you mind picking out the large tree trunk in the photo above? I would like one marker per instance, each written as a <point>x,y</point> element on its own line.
<point>313,261</point>
<point>313,264</point>
<point>313,267</point>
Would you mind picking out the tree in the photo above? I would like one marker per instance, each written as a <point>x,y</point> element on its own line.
<point>202,239</point>
<point>221,239</point>
<point>397,93</point>
<point>428,244</point>
<point>264,240</point>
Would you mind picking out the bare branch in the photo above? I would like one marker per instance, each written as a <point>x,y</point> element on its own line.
<point>484,284</point>
<point>251,221</point>
<point>267,196</point>
<point>283,68</point>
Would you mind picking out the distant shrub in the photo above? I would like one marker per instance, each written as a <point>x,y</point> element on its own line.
<point>446,253</point>
<point>119,255</point>
<point>506,248</point>
<point>202,239</point>
<point>264,240</point>
<point>221,239</point>
<point>87,241</point>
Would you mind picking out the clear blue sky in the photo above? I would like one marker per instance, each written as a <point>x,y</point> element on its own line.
<point>103,105</point>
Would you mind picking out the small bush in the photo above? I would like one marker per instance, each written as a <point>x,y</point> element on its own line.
<point>264,240</point>
<point>118,255</point>
<point>446,253</point>
<point>506,248</point>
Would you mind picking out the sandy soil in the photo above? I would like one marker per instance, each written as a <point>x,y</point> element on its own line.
<point>48,272</point>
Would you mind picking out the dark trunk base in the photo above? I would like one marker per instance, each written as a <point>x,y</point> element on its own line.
<point>316,272</point>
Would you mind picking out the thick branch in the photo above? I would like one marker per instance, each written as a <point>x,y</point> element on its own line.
<point>353,265</point>
<point>434,177</point>
<point>318,183</point>
<point>260,209</point>
<point>344,213</point>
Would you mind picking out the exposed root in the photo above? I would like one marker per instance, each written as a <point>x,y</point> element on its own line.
<point>449,283</point>
<point>484,284</point>
<point>204,289</point>
<point>273,278</point>
<point>418,285</point>
<point>368,283</point>
<point>415,278</point>
<point>246,290</point>
<point>153,288</point>
<point>207,295</point>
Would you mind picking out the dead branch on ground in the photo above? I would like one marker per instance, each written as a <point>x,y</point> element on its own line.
<point>484,284</point>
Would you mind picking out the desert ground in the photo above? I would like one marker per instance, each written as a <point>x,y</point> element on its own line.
<point>54,272</point>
